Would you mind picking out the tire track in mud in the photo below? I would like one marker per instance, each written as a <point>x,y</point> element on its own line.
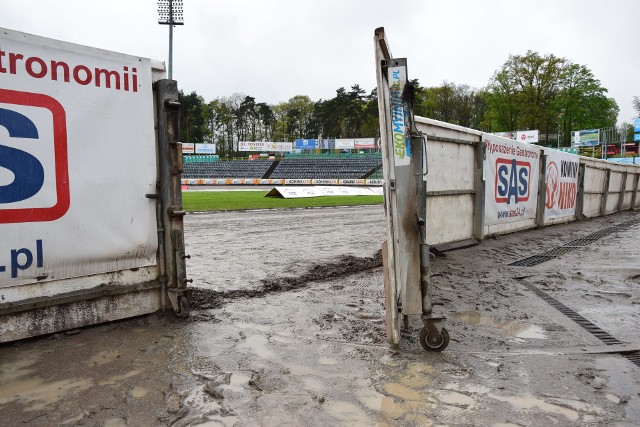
<point>202,299</point>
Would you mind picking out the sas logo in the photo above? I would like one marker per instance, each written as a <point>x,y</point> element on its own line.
<point>512,181</point>
<point>34,177</point>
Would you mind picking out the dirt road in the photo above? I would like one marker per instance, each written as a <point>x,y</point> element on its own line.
<point>288,329</point>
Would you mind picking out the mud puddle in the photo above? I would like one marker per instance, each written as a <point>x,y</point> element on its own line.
<point>514,328</point>
<point>202,298</point>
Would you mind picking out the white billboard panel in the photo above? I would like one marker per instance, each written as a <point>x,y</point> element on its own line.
<point>527,136</point>
<point>345,144</point>
<point>265,146</point>
<point>188,148</point>
<point>511,186</point>
<point>561,184</point>
<point>80,121</point>
<point>205,148</point>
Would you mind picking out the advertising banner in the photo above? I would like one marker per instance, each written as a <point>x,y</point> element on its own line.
<point>400,134</point>
<point>251,146</point>
<point>636,125</point>
<point>585,137</point>
<point>306,144</point>
<point>188,148</point>
<point>345,144</point>
<point>561,184</point>
<point>77,156</point>
<point>366,143</point>
<point>331,144</point>
<point>320,191</point>
<point>511,134</point>
<point>265,146</point>
<point>528,136</point>
<point>205,148</point>
<point>511,186</point>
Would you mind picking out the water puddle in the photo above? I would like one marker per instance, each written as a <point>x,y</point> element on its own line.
<point>529,403</point>
<point>36,394</point>
<point>118,378</point>
<point>346,413</point>
<point>258,344</point>
<point>115,422</point>
<point>515,328</point>
<point>620,383</point>
<point>237,382</point>
<point>103,358</point>
<point>139,392</point>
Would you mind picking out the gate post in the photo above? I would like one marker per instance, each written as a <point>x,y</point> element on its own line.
<point>478,205</point>
<point>542,191</point>
<point>623,191</point>
<point>634,197</point>
<point>605,193</point>
<point>170,192</point>
<point>580,197</point>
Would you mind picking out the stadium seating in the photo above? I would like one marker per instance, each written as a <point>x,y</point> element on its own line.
<point>229,169</point>
<point>326,168</point>
<point>320,167</point>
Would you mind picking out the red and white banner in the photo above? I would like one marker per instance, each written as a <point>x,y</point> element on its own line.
<point>188,148</point>
<point>561,184</point>
<point>511,180</point>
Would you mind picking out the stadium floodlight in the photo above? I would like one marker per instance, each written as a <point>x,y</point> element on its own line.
<point>170,13</point>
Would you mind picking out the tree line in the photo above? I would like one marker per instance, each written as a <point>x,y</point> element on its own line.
<point>529,91</point>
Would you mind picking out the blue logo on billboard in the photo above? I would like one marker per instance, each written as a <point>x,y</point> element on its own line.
<point>636,125</point>
<point>306,144</point>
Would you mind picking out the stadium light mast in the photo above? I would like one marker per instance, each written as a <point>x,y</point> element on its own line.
<point>170,13</point>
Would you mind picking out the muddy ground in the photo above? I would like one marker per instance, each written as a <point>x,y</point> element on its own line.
<point>288,329</point>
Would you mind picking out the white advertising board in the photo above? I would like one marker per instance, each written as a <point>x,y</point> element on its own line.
<point>77,156</point>
<point>320,191</point>
<point>528,136</point>
<point>205,148</point>
<point>511,186</point>
<point>561,184</point>
<point>265,146</point>
<point>188,148</point>
<point>345,144</point>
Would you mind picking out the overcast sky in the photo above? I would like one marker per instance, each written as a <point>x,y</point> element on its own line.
<point>275,49</point>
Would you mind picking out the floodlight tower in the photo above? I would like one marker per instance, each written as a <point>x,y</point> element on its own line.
<point>170,13</point>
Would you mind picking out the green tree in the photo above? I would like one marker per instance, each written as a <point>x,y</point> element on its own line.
<point>523,91</point>
<point>194,118</point>
<point>582,102</point>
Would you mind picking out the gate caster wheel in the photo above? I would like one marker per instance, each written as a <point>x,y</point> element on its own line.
<point>434,343</point>
<point>185,308</point>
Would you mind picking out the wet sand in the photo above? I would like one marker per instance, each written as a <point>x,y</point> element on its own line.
<point>288,329</point>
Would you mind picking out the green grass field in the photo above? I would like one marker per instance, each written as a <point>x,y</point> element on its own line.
<point>240,200</point>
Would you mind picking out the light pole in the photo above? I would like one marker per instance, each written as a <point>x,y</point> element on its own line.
<point>170,13</point>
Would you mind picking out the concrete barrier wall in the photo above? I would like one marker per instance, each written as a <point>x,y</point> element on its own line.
<point>456,186</point>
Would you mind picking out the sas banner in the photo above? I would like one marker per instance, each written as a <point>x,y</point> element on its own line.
<point>511,186</point>
<point>561,184</point>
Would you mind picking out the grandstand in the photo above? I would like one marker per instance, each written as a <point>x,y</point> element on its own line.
<point>291,167</point>
<point>228,169</point>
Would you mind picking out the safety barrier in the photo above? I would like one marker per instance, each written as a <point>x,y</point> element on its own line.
<point>86,238</point>
<point>481,184</point>
<point>255,181</point>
